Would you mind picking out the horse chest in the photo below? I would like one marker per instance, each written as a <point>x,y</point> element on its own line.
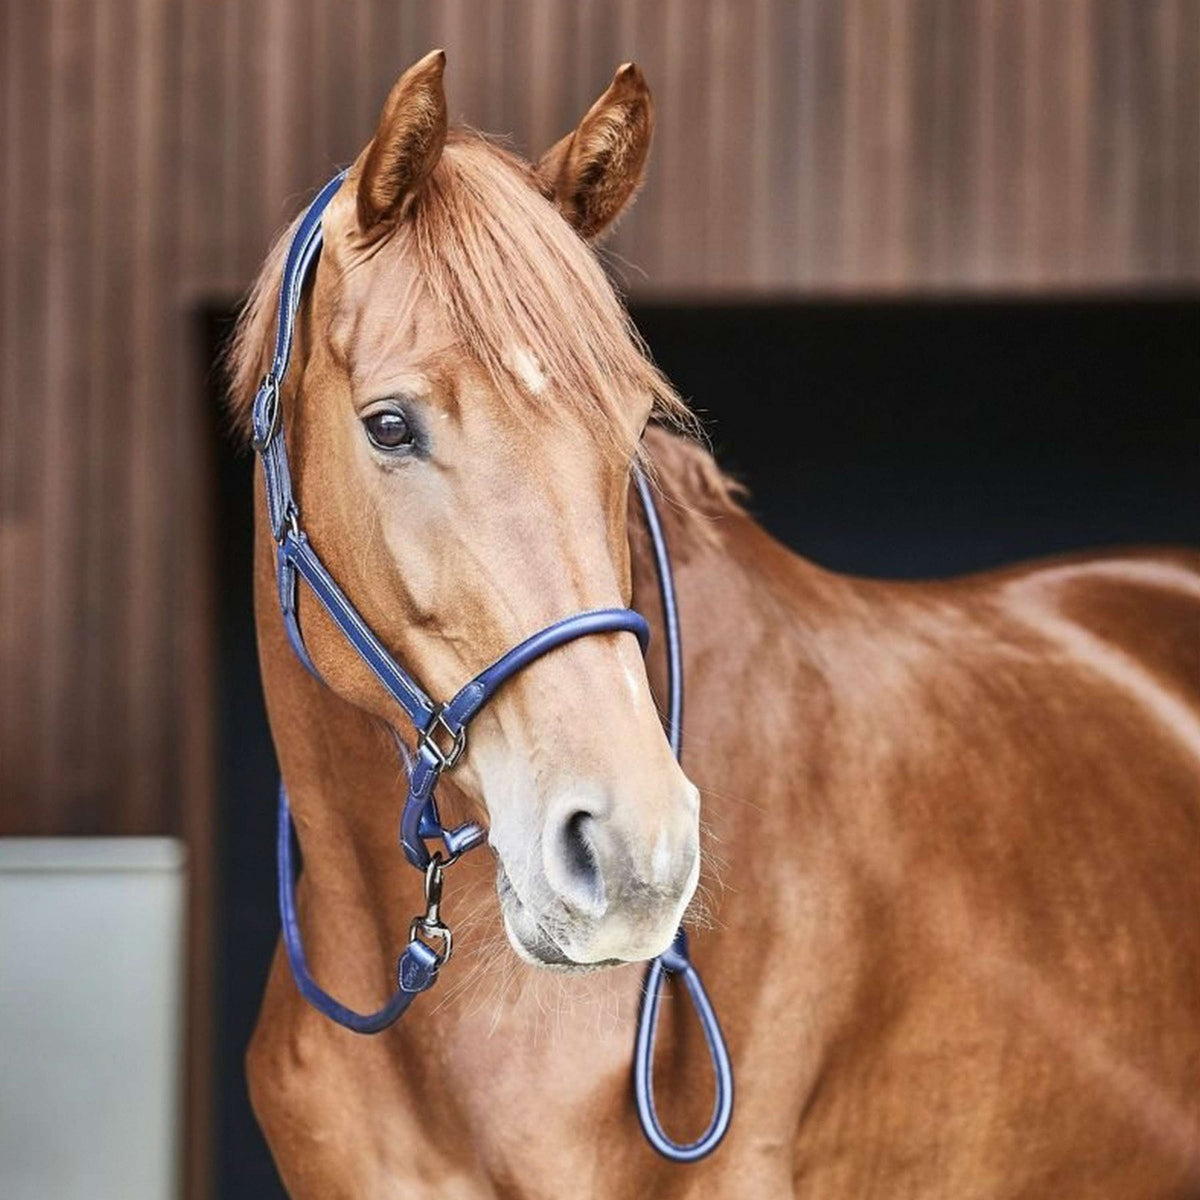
<point>540,1081</point>
<point>523,1095</point>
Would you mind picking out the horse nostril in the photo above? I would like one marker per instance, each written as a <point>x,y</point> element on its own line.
<point>581,858</point>
<point>582,883</point>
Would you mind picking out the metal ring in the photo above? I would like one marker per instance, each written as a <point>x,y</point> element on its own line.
<point>292,521</point>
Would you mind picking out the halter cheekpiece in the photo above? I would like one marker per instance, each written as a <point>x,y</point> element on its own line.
<point>442,735</point>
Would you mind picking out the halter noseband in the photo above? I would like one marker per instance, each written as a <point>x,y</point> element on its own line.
<point>442,733</point>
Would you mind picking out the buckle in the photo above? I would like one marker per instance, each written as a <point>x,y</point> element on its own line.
<point>457,738</point>
<point>266,410</point>
<point>291,524</point>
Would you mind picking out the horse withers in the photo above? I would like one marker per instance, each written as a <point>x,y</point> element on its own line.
<point>939,844</point>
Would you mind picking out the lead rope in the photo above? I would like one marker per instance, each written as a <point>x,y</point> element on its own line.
<point>676,960</point>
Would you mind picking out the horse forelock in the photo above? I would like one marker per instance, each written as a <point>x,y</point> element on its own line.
<point>526,298</point>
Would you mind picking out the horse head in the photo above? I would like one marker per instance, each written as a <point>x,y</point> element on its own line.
<point>464,413</point>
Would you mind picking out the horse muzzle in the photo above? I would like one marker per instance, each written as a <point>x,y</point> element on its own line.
<point>593,903</point>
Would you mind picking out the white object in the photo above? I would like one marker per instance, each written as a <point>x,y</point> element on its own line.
<point>91,1017</point>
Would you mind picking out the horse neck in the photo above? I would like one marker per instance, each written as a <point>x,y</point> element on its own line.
<point>757,695</point>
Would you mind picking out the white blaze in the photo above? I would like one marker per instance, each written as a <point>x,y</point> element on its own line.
<point>528,370</point>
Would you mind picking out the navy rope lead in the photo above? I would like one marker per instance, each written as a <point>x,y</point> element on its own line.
<point>442,736</point>
<point>416,971</point>
<point>675,961</point>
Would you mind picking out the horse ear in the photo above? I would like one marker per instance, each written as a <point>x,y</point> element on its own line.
<point>593,172</point>
<point>407,143</point>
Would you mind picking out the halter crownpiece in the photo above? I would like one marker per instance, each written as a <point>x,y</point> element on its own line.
<point>441,731</point>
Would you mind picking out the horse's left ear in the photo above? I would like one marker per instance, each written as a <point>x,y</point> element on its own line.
<point>407,144</point>
<point>593,172</point>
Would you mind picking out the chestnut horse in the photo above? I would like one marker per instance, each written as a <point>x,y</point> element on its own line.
<point>949,908</point>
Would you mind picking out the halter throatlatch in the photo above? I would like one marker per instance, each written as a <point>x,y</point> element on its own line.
<point>441,731</point>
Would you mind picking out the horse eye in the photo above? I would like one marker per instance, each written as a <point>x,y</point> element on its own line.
<point>388,430</point>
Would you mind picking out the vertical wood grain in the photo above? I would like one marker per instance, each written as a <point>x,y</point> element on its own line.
<point>151,151</point>
<point>27,181</point>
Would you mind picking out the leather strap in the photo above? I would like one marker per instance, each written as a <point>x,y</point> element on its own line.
<point>267,413</point>
<point>419,820</point>
<point>298,556</point>
<point>442,731</point>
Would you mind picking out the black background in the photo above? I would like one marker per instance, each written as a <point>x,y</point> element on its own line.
<point>906,439</point>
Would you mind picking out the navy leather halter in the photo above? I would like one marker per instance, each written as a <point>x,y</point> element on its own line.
<point>441,731</point>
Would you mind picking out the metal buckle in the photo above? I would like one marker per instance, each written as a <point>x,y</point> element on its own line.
<point>291,523</point>
<point>426,740</point>
<point>271,405</point>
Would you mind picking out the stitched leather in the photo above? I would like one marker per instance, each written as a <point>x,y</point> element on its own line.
<point>299,554</point>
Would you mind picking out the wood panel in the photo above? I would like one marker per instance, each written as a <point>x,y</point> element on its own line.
<point>150,150</point>
<point>816,145</point>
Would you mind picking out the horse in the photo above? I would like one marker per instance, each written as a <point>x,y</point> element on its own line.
<point>936,843</point>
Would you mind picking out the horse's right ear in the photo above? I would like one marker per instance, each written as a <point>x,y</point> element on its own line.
<point>406,146</point>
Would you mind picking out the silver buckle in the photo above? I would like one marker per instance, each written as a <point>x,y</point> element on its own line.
<point>426,740</point>
<point>272,406</point>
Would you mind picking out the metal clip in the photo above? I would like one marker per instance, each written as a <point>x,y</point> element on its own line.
<point>429,924</point>
<point>433,889</point>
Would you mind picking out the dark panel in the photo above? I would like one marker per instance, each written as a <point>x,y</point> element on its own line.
<point>901,439</point>
<point>927,439</point>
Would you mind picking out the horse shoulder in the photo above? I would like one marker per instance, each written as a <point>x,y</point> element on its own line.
<point>1020,762</point>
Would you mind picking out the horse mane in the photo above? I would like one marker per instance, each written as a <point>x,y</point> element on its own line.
<point>507,272</point>
<point>247,354</point>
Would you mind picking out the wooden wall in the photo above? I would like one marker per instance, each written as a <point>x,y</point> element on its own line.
<point>150,150</point>
<point>807,145</point>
